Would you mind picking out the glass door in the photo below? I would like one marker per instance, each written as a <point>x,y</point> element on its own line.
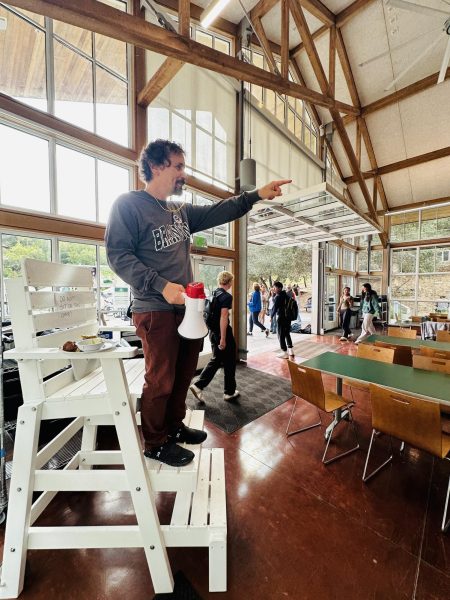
<point>206,269</point>
<point>331,298</point>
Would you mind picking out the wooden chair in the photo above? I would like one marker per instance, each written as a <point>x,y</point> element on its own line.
<point>402,332</point>
<point>402,354</point>
<point>307,384</point>
<point>430,363</point>
<point>417,422</point>
<point>434,352</point>
<point>370,352</point>
<point>416,319</point>
<point>442,335</point>
<point>98,388</point>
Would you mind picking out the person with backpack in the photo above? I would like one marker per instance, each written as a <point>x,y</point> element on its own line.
<point>223,344</point>
<point>254,306</point>
<point>283,320</point>
<point>370,309</point>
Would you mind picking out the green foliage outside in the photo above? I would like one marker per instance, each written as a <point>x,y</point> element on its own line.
<point>267,264</point>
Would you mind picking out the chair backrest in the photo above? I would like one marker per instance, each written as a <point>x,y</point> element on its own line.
<point>50,304</point>
<point>442,335</point>
<point>401,332</point>
<point>307,384</point>
<point>416,319</point>
<point>434,352</point>
<point>402,354</point>
<point>412,420</point>
<point>443,319</point>
<point>376,353</point>
<point>430,363</point>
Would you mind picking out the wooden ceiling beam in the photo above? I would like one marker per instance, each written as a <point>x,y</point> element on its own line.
<point>284,38</point>
<point>345,15</point>
<point>361,129</point>
<point>403,164</point>
<point>262,8</point>
<point>398,96</point>
<point>424,204</point>
<point>332,63</point>
<point>108,21</point>
<point>220,24</point>
<point>261,34</point>
<point>340,20</point>
<point>184,17</point>
<point>313,55</point>
<point>320,11</point>
<point>345,64</point>
<point>314,35</point>
<point>158,82</point>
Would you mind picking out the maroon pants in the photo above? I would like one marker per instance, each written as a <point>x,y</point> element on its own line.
<point>170,363</point>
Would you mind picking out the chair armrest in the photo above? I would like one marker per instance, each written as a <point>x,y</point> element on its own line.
<point>56,353</point>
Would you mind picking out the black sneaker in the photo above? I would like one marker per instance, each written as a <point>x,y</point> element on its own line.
<point>186,435</point>
<point>170,454</point>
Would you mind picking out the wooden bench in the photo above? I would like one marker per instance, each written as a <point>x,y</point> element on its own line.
<point>100,388</point>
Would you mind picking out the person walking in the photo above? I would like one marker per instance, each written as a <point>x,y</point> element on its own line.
<point>284,326</point>
<point>148,246</point>
<point>223,344</point>
<point>254,305</point>
<point>264,304</point>
<point>370,309</point>
<point>273,320</point>
<point>345,314</point>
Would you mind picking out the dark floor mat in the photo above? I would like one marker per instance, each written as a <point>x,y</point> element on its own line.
<point>259,391</point>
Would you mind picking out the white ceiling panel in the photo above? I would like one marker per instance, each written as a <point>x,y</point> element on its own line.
<point>337,6</point>
<point>423,131</point>
<point>430,180</point>
<point>397,186</point>
<point>386,133</point>
<point>371,79</point>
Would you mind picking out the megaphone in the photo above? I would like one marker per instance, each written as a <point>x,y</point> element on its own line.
<point>193,326</point>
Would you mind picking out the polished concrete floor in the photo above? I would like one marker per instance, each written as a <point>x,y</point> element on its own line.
<point>296,528</point>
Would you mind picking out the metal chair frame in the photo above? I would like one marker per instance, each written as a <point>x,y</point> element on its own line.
<point>346,407</point>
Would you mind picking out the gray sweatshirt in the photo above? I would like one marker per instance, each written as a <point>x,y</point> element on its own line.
<point>148,245</point>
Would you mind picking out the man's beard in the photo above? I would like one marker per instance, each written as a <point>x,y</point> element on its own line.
<point>178,187</point>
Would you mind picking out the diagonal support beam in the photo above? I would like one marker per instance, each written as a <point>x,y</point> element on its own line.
<point>311,50</point>
<point>101,18</point>
<point>158,82</point>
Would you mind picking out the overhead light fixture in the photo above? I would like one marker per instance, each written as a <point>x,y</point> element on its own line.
<point>212,11</point>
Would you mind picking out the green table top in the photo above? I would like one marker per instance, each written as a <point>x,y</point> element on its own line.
<point>389,339</point>
<point>417,382</point>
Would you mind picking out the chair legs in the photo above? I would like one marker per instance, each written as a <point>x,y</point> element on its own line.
<point>289,433</point>
<point>341,454</point>
<point>374,472</point>
<point>333,425</point>
<point>445,523</point>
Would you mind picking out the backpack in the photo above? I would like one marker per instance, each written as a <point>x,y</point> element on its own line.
<point>210,312</point>
<point>290,309</point>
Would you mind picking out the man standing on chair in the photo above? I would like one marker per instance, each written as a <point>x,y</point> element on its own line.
<point>223,345</point>
<point>148,246</point>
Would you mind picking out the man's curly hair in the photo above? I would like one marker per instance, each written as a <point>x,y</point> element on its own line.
<point>156,154</point>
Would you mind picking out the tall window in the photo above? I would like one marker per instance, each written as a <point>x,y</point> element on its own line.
<point>205,141</point>
<point>420,280</point>
<point>291,112</point>
<point>65,181</point>
<point>80,77</point>
<point>422,224</point>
